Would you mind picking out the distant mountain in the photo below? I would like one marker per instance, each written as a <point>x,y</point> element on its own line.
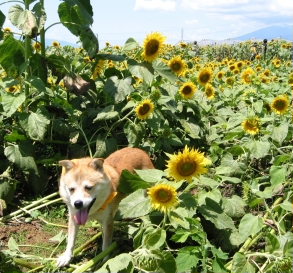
<point>273,32</point>
<point>62,43</point>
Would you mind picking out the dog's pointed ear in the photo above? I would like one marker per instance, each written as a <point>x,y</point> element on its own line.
<point>66,165</point>
<point>97,164</point>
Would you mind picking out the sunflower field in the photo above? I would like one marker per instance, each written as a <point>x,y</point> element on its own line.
<point>217,126</point>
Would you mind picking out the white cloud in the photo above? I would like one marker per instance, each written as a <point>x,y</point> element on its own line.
<point>191,22</point>
<point>152,5</point>
<point>267,8</point>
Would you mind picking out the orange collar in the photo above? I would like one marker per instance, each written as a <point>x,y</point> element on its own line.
<point>108,200</point>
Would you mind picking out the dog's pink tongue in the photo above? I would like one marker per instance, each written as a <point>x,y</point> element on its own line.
<point>81,216</point>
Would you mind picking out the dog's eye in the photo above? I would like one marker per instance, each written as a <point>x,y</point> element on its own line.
<point>88,188</point>
<point>71,189</point>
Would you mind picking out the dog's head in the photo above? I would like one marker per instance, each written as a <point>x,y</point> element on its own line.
<point>82,182</point>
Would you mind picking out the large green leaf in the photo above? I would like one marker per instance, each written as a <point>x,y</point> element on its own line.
<point>130,44</point>
<point>37,83</point>
<point>214,213</point>
<point>155,239</point>
<point>38,67</point>
<point>85,9</point>
<point>241,265</point>
<point>130,182</point>
<point>119,263</point>
<point>37,123</point>
<point>107,114</point>
<point>143,70</point>
<point>258,149</point>
<point>22,156</point>
<point>164,70</point>
<point>187,258</point>
<point>11,53</point>
<point>278,175</point>
<point>166,262</point>
<point>249,224</point>
<point>71,18</point>
<point>89,41</point>
<point>105,147</point>
<point>118,89</point>
<point>11,102</point>
<point>234,206</point>
<point>134,132</point>
<point>135,205</point>
<point>2,20</point>
<point>279,133</point>
<point>150,175</point>
<point>24,20</point>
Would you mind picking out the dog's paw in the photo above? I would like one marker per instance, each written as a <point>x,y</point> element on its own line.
<point>63,260</point>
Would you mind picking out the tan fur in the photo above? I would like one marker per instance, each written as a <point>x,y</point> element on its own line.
<point>86,179</point>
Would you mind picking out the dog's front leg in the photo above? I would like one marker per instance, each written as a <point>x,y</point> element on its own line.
<point>108,227</point>
<point>72,232</point>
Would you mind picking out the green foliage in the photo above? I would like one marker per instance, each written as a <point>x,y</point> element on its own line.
<point>64,102</point>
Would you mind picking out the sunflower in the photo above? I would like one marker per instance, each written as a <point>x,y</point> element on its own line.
<point>7,30</point>
<point>276,63</point>
<point>98,70</point>
<point>249,96</point>
<point>263,78</point>
<point>231,67</point>
<point>163,197</point>
<point>246,75</point>
<point>220,75</point>
<point>13,89</point>
<point>187,164</point>
<point>177,65</point>
<point>267,106</point>
<point>258,68</point>
<point>187,90</point>
<point>144,109</point>
<point>267,72</point>
<point>251,125</point>
<point>152,46</point>
<point>55,44</point>
<point>183,45</point>
<point>239,64</point>
<point>230,80</point>
<point>86,59</point>
<point>280,104</point>
<point>51,81</point>
<point>37,46</point>
<point>209,91</point>
<point>205,76</point>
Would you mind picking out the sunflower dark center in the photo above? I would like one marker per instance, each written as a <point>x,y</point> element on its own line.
<point>163,196</point>
<point>187,90</point>
<point>209,92</point>
<point>144,109</point>
<point>280,105</point>
<point>152,47</point>
<point>186,168</point>
<point>176,67</point>
<point>205,77</point>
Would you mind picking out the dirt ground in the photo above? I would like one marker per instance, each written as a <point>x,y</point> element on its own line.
<point>33,232</point>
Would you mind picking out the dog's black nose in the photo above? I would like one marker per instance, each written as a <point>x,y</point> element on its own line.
<point>78,204</point>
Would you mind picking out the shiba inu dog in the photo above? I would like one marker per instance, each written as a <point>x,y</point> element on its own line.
<point>89,188</point>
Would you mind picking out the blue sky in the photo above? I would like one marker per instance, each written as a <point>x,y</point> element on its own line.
<point>117,20</point>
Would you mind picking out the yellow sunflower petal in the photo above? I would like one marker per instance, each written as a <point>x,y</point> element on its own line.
<point>152,46</point>
<point>163,197</point>
<point>187,164</point>
<point>144,109</point>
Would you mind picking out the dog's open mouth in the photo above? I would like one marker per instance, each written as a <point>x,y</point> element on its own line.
<point>81,215</point>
